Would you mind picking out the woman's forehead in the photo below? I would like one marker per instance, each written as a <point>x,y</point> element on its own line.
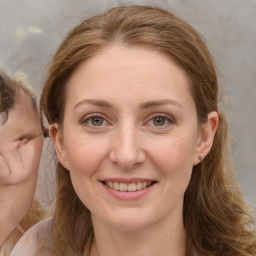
<point>122,71</point>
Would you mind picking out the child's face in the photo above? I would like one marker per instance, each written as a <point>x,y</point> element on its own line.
<point>21,143</point>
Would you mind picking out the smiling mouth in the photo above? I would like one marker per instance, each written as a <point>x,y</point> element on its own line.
<point>128,187</point>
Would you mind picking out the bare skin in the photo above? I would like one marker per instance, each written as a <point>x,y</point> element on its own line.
<point>21,143</point>
<point>129,117</point>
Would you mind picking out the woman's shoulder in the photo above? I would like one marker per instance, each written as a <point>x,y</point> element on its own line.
<point>33,241</point>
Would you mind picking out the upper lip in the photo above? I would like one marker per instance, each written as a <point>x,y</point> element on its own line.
<point>125,180</point>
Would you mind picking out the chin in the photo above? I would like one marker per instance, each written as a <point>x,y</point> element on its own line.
<point>129,221</point>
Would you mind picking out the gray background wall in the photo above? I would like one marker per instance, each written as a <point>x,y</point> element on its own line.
<point>31,30</point>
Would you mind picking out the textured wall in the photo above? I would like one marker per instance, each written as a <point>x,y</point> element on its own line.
<point>31,30</point>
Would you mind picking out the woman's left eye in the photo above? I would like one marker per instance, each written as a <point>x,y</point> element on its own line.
<point>160,121</point>
<point>96,121</point>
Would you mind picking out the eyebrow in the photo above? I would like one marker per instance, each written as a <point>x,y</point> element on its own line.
<point>149,104</point>
<point>98,103</point>
<point>156,103</point>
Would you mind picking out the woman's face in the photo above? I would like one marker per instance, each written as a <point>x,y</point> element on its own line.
<point>20,150</point>
<point>130,137</point>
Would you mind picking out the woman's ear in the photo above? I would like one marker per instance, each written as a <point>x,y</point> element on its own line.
<point>206,137</point>
<point>56,136</point>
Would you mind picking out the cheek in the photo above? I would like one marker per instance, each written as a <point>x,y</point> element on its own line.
<point>23,198</point>
<point>174,162</point>
<point>174,158</point>
<point>84,158</point>
<point>84,155</point>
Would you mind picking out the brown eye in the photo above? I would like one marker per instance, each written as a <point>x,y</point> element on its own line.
<point>97,121</point>
<point>159,121</point>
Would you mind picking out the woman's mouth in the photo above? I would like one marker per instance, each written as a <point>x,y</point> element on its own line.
<point>128,187</point>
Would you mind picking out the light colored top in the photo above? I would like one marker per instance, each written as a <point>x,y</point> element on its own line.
<point>31,242</point>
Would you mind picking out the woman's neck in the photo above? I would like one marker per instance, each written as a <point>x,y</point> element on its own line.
<point>158,239</point>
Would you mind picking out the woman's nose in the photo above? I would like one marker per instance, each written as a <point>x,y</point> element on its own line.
<point>127,148</point>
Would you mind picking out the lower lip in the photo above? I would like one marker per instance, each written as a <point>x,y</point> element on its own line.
<point>127,195</point>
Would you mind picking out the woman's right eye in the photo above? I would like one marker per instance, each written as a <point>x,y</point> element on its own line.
<point>94,121</point>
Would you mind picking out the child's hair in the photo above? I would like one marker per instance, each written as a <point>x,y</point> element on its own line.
<point>7,96</point>
<point>9,90</point>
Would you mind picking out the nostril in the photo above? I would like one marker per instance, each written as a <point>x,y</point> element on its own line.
<point>127,159</point>
<point>126,166</point>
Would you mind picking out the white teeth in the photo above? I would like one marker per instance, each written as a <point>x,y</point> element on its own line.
<point>131,187</point>
<point>123,187</point>
<point>116,186</point>
<point>139,186</point>
<point>110,184</point>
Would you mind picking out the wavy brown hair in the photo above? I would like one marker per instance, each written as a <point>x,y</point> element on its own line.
<point>216,218</point>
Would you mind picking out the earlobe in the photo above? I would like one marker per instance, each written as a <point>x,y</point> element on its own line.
<point>206,137</point>
<point>55,134</point>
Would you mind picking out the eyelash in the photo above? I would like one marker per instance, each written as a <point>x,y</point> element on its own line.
<point>85,120</point>
<point>88,119</point>
<point>166,117</point>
